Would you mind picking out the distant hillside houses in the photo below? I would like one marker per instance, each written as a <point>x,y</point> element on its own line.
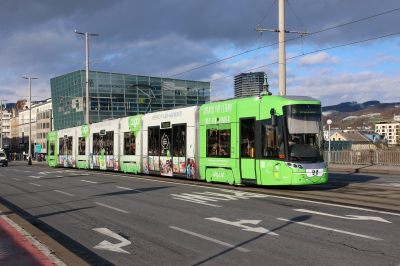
<point>329,112</point>
<point>361,116</point>
<point>396,117</point>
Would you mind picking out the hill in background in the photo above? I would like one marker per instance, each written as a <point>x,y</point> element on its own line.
<point>343,110</point>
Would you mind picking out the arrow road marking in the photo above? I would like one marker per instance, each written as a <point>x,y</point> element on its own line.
<point>348,217</point>
<point>105,245</point>
<point>210,239</point>
<point>241,223</point>
<point>329,229</point>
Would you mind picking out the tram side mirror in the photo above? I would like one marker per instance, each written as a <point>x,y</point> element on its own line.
<point>274,120</point>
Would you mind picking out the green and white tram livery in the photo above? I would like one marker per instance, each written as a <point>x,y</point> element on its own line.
<point>265,140</point>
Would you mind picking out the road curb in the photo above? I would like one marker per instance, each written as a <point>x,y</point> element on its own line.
<point>56,248</point>
<point>363,170</point>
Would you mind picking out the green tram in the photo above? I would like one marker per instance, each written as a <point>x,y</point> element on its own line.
<point>265,140</point>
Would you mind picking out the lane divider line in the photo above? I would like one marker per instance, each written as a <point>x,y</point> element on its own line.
<point>272,196</point>
<point>64,193</point>
<point>329,229</point>
<point>116,209</point>
<point>89,181</point>
<point>16,179</point>
<point>35,184</point>
<point>210,239</point>
<point>130,189</point>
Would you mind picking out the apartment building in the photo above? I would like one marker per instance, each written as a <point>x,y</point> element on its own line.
<point>41,113</point>
<point>5,129</point>
<point>390,130</point>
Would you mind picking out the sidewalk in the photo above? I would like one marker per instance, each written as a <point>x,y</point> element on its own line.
<point>374,169</point>
<point>16,249</point>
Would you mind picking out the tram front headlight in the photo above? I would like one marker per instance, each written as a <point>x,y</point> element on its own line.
<point>295,165</point>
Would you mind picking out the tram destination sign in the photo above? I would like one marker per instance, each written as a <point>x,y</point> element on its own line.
<point>165,124</point>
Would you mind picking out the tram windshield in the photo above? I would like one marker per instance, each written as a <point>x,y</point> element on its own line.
<point>305,138</point>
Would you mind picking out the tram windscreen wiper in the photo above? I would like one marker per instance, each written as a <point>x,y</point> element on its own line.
<point>317,155</point>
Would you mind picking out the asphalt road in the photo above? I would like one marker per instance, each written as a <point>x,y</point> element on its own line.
<point>112,218</point>
<point>366,178</point>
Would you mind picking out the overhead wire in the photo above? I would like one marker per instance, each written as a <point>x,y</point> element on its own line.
<point>259,25</point>
<point>325,49</point>
<point>269,45</point>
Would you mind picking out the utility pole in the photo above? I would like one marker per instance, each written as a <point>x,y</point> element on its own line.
<point>1,145</point>
<point>87,72</point>
<point>30,120</point>
<point>282,46</point>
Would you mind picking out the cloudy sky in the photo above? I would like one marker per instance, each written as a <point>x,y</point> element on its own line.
<point>166,37</point>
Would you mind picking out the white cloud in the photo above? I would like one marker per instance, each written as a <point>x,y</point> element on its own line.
<point>380,60</point>
<point>318,59</point>
<point>362,86</point>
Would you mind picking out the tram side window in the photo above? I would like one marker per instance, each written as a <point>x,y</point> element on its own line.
<point>96,144</point>
<point>272,139</point>
<point>247,132</point>
<point>109,143</point>
<point>61,146</point>
<point>165,141</point>
<point>129,144</point>
<point>51,152</point>
<point>69,145</point>
<point>82,146</point>
<point>153,141</point>
<point>179,140</point>
<point>219,141</point>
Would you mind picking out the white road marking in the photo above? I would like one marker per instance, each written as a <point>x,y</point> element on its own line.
<point>1,175</point>
<point>35,184</point>
<point>101,204</point>
<point>16,170</point>
<point>272,196</point>
<point>329,229</point>
<point>27,171</point>
<point>16,179</point>
<point>89,181</point>
<point>197,201</point>
<point>34,176</point>
<point>241,223</point>
<point>336,205</point>
<point>64,193</point>
<point>48,253</point>
<point>210,239</point>
<point>129,189</point>
<point>348,217</point>
<point>105,245</point>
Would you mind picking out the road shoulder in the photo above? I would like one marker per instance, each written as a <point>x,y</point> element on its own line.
<point>57,250</point>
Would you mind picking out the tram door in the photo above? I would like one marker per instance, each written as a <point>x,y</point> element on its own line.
<point>247,149</point>
<point>154,148</point>
<point>166,167</point>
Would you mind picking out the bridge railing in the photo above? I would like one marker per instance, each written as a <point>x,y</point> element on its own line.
<point>364,157</point>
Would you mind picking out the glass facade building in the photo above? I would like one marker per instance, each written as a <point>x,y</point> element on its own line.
<point>114,95</point>
<point>248,84</point>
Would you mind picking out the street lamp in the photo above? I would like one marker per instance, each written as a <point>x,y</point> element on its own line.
<point>329,122</point>
<point>1,143</point>
<point>87,71</point>
<point>30,120</point>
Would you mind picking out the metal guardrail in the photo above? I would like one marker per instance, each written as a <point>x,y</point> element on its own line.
<point>364,157</point>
